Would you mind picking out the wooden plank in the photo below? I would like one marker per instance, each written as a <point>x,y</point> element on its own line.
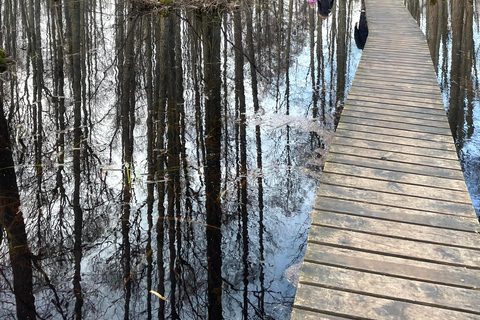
<point>467,223</point>
<point>387,73</point>
<point>403,114</point>
<point>387,78</point>
<point>397,229</point>
<point>404,90</point>
<point>387,156</point>
<point>396,82</point>
<point>412,291</point>
<point>393,266</point>
<point>414,111</point>
<point>443,184</point>
<point>395,247</point>
<point>377,163</point>
<point>415,135</point>
<point>393,187</point>
<point>395,70</point>
<point>390,92</point>
<point>394,147</point>
<point>392,139</point>
<point>350,112</point>
<point>379,123</point>
<point>395,96</point>
<point>394,200</point>
<point>395,54</point>
<point>391,64</point>
<point>363,97</point>
<point>319,299</point>
<point>379,55</point>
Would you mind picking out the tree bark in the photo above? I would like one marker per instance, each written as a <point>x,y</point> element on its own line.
<point>11,220</point>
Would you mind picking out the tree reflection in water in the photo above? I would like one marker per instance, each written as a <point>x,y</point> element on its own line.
<point>454,53</point>
<point>167,163</point>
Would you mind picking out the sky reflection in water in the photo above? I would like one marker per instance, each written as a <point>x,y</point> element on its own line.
<point>184,177</point>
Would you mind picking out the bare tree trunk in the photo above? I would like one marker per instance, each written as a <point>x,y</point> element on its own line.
<point>341,59</point>
<point>213,135</point>
<point>160,101</point>
<point>59,103</point>
<point>150,157</point>
<point>127,106</point>
<point>456,112</point>
<point>242,170</point>
<point>74,37</point>
<point>11,220</point>
<point>173,163</point>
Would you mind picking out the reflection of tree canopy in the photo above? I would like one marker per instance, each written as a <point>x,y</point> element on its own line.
<point>450,31</point>
<point>123,124</point>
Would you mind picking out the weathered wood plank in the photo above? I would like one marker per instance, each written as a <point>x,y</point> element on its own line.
<point>443,184</point>
<point>447,147</point>
<point>460,299</point>
<point>373,51</point>
<point>407,103</point>
<point>414,111</point>
<point>382,55</point>
<point>375,162</point>
<point>393,266</point>
<point>402,114</point>
<point>393,187</point>
<point>397,229</point>
<point>396,132</point>
<point>395,247</point>
<point>467,223</point>
<point>367,79</point>
<point>318,299</point>
<point>394,200</point>
<point>389,78</point>
<point>394,70</point>
<point>385,155</point>
<point>404,91</point>
<point>393,147</point>
<point>379,123</point>
<point>350,112</point>
<point>395,116</point>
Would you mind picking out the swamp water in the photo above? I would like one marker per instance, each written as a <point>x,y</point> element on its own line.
<point>452,29</point>
<point>167,163</point>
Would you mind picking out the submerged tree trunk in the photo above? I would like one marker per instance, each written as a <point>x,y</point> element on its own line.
<point>73,36</point>
<point>213,134</point>
<point>11,220</point>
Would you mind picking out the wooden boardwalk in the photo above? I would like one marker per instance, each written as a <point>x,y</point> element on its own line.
<point>394,234</point>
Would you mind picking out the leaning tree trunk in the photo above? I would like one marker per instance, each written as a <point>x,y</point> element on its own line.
<point>11,220</point>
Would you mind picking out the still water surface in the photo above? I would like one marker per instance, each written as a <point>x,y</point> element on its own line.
<point>452,29</point>
<point>167,162</point>
<point>180,153</point>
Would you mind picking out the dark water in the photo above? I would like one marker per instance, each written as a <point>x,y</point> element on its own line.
<point>167,162</point>
<point>452,29</point>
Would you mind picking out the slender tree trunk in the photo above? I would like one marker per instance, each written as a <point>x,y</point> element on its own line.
<point>213,135</point>
<point>150,157</point>
<point>160,101</point>
<point>74,37</point>
<point>341,59</point>
<point>456,112</point>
